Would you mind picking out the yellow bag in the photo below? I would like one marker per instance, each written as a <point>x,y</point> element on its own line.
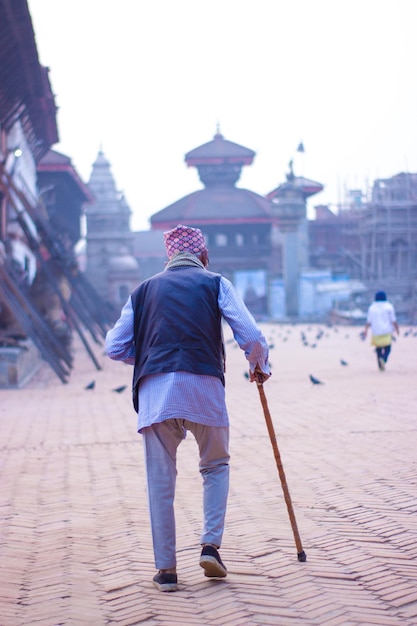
<point>380,341</point>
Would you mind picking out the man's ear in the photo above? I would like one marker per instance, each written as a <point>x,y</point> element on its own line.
<point>204,258</point>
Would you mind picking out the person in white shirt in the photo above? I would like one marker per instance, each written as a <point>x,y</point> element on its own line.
<point>382,321</point>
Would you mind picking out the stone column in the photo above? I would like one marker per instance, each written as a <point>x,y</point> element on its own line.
<point>291,273</point>
<point>289,207</point>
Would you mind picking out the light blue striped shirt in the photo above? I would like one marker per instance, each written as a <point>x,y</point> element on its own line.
<point>197,398</point>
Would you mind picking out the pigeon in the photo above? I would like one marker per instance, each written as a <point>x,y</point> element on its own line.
<point>120,389</point>
<point>342,362</point>
<point>91,385</point>
<point>246,375</point>
<point>315,381</point>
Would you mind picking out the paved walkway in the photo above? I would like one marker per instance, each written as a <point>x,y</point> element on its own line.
<point>76,547</point>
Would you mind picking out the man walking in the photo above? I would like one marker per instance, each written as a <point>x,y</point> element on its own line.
<point>170,330</point>
<point>382,321</point>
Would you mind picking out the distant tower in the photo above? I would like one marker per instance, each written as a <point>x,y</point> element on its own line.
<point>111,266</point>
<point>288,206</point>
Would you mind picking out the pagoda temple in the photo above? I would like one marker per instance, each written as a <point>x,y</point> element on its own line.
<point>244,230</point>
<point>236,222</point>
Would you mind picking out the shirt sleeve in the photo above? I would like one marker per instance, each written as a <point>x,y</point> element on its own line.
<point>245,330</point>
<point>120,345</point>
<point>391,314</point>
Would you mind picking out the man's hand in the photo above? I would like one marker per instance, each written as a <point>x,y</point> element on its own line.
<point>258,376</point>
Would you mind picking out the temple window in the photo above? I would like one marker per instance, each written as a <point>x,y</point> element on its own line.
<point>221,240</point>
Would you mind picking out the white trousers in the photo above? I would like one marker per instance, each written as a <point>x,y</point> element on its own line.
<point>160,446</point>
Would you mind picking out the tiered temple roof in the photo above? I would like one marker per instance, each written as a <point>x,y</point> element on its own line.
<point>219,163</point>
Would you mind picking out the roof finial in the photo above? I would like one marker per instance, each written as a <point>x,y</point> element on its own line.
<point>218,134</point>
<point>290,175</point>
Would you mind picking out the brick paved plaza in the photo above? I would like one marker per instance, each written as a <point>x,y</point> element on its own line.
<point>75,537</point>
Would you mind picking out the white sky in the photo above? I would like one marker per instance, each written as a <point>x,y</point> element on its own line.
<point>148,80</point>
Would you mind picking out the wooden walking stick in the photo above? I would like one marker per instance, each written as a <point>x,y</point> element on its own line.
<point>301,555</point>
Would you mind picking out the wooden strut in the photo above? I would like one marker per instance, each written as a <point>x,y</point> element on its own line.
<point>105,313</point>
<point>90,306</point>
<point>68,309</point>
<point>81,300</point>
<point>301,555</point>
<point>26,306</point>
<point>35,327</point>
<point>51,243</point>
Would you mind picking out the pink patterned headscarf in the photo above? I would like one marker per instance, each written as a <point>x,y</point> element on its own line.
<point>184,239</point>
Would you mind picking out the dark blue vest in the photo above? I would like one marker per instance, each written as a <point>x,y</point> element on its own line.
<point>177,324</point>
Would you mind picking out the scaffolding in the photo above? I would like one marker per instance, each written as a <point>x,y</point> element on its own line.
<point>380,239</point>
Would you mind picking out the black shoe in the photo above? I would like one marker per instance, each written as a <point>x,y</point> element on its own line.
<point>165,582</point>
<point>212,564</point>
